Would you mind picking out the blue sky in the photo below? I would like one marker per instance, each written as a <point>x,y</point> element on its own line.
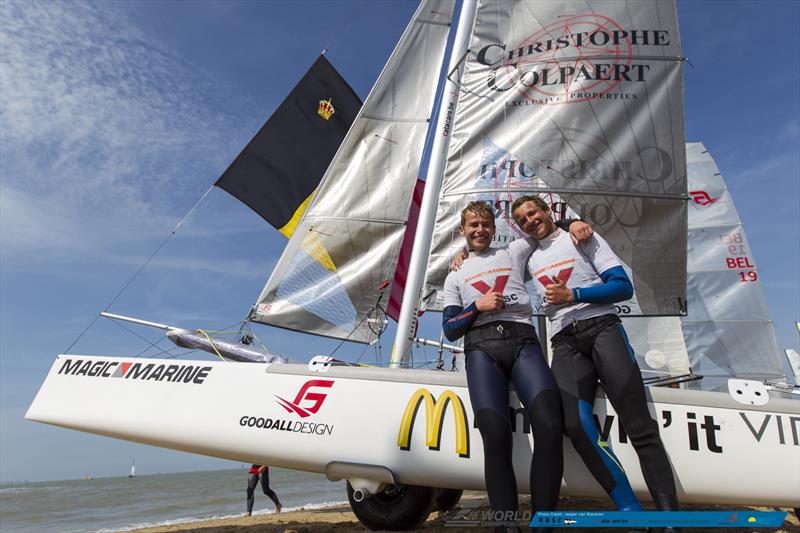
<point>116,117</point>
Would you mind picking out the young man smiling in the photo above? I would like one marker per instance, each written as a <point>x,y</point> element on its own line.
<point>578,285</point>
<point>485,300</point>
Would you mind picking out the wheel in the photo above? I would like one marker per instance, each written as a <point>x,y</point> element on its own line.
<point>397,508</point>
<point>446,499</point>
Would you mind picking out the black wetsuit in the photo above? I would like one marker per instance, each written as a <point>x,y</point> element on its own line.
<point>499,350</point>
<point>597,349</point>
<point>497,353</point>
<point>252,481</point>
<point>590,344</point>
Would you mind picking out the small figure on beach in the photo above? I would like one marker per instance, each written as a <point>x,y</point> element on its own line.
<point>256,472</point>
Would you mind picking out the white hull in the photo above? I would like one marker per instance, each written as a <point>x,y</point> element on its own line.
<point>722,452</point>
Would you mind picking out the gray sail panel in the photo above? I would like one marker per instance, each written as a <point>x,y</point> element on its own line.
<point>727,331</point>
<point>331,277</point>
<point>728,328</point>
<point>583,100</point>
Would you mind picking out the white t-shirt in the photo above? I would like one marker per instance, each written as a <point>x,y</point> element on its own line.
<point>501,269</point>
<point>578,266</point>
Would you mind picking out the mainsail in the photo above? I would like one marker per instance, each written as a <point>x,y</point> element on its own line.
<point>583,100</point>
<point>340,261</point>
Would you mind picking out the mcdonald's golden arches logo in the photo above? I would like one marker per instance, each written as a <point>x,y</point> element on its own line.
<point>434,420</point>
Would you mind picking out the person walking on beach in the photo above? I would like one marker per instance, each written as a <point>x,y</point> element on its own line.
<point>256,472</point>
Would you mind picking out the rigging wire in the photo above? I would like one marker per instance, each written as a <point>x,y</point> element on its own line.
<point>139,271</point>
<point>377,310</point>
<point>148,341</point>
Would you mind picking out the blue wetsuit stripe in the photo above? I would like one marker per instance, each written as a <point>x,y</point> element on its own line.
<point>616,287</point>
<point>622,495</point>
<point>631,354</point>
<point>456,320</point>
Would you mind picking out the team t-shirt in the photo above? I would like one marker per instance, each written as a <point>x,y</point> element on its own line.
<point>578,266</point>
<point>499,269</point>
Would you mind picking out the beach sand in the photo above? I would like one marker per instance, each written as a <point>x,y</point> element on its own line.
<point>340,518</point>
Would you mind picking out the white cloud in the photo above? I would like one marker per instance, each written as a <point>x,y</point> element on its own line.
<point>97,117</point>
<point>106,137</point>
<point>790,132</point>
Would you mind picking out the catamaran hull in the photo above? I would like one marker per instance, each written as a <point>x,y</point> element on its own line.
<point>415,426</point>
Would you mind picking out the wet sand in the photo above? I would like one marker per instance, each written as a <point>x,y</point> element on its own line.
<point>341,518</point>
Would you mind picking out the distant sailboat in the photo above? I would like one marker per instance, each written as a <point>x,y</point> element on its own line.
<point>133,469</point>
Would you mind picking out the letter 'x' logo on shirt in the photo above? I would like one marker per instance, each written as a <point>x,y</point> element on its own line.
<point>499,285</point>
<point>563,276</point>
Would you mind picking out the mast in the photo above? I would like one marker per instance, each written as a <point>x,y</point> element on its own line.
<point>406,325</point>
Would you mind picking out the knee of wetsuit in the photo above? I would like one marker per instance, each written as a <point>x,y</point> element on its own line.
<point>641,427</point>
<point>495,431</point>
<point>546,416</point>
<point>574,429</point>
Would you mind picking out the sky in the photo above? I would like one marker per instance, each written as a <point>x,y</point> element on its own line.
<point>116,118</point>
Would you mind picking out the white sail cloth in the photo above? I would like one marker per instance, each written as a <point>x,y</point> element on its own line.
<point>335,267</point>
<point>727,331</point>
<point>728,328</point>
<point>584,100</point>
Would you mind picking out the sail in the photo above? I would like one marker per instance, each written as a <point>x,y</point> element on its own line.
<point>727,331</point>
<point>728,328</point>
<point>583,100</point>
<point>340,261</point>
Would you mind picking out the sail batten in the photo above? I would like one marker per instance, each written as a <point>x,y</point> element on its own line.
<point>333,276</point>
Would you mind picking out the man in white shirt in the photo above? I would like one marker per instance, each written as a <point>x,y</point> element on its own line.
<point>485,300</point>
<point>578,285</point>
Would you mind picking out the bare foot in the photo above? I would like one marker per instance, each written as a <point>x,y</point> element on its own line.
<point>248,514</point>
<point>278,508</point>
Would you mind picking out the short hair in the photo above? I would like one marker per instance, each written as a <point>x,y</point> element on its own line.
<point>478,207</point>
<point>537,201</point>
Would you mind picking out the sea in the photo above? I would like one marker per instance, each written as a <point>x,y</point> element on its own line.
<point>122,503</point>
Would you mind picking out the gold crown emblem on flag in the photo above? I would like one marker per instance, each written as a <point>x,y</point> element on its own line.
<point>325,109</point>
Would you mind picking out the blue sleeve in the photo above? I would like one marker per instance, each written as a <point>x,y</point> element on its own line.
<point>456,320</point>
<point>616,287</point>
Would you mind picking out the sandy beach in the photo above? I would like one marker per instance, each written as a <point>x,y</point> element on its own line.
<point>341,518</point>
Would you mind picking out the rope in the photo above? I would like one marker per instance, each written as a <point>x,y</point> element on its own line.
<point>212,343</point>
<point>136,274</point>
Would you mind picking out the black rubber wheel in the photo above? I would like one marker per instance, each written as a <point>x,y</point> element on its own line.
<point>397,508</point>
<point>446,499</point>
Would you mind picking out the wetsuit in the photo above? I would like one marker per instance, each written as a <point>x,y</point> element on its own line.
<point>252,481</point>
<point>501,346</point>
<point>589,343</point>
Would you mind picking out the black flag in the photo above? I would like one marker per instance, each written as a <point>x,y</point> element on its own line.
<point>280,167</point>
